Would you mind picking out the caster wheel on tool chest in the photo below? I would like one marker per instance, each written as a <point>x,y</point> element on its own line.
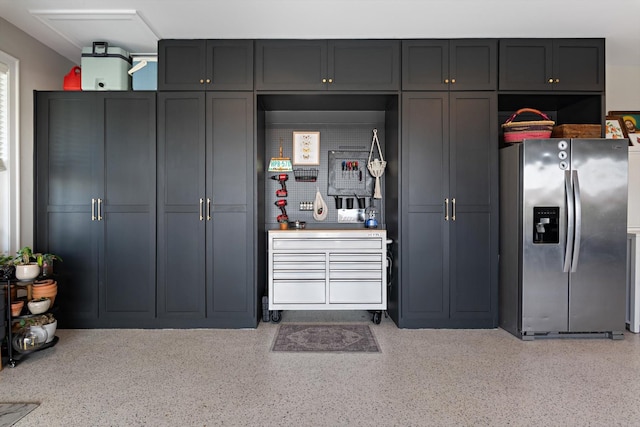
<point>276,317</point>
<point>377,317</point>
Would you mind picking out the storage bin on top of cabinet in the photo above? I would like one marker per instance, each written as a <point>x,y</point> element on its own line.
<point>552,64</point>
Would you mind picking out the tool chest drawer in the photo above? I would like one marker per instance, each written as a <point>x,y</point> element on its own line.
<point>344,292</point>
<point>327,270</point>
<point>299,291</point>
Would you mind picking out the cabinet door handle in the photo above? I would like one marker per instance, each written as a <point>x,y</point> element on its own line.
<point>324,80</point>
<point>208,80</point>
<point>330,80</point>
<point>557,81</point>
<point>99,209</point>
<point>201,209</point>
<point>208,209</point>
<point>453,202</point>
<point>446,81</point>
<point>93,209</point>
<point>446,209</point>
<point>550,80</point>
<point>201,81</point>
<point>453,81</point>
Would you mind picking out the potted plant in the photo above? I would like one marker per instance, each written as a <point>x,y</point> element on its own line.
<point>26,266</point>
<point>6,267</point>
<point>45,261</point>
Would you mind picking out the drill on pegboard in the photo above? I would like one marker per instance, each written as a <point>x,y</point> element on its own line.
<point>281,178</point>
<point>281,204</point>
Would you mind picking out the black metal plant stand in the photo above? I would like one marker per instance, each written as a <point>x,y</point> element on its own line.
<point>15,357</point>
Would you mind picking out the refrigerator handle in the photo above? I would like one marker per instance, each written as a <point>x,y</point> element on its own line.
<point>578,216</point>
<point>568,191</point>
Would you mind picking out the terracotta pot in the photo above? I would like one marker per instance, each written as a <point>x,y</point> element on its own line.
<point>16,308</point>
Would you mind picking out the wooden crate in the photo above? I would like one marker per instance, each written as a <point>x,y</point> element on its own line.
<point>577,131</point>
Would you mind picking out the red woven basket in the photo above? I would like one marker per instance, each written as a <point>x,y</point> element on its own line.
<point>515,132</point>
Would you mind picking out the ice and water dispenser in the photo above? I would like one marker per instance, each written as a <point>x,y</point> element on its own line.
<point>546,224</point>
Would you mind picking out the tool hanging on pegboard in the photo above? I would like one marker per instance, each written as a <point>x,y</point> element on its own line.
<point>282,178</point>
<point>283,217</point>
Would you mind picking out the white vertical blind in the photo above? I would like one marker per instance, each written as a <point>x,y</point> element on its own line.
<point>4,107</point>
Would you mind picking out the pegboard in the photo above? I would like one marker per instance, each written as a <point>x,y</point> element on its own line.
<point>340,131</point>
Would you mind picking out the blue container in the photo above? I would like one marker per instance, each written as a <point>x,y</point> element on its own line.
<point>144,72</point>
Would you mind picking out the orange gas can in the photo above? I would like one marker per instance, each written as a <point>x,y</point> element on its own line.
<point>72,81</point>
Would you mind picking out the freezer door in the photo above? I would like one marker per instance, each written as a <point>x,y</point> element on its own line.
<point>597,281</point>
<point>544,282</point>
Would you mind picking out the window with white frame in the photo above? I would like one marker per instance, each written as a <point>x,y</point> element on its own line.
<point>9,152</point>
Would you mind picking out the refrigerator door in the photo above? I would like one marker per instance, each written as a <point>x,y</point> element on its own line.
<point>597,281</point>
<point>544,282</point>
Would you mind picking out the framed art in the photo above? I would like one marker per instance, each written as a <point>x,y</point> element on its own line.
<point>306,148</point>
<point>631,121</point>
<point>615,128</point>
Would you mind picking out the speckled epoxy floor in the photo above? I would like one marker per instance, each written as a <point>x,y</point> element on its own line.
<point>421,378</point>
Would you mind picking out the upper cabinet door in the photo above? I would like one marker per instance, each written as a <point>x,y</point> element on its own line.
<point>192,65</point>
<point>291,64</point>
<point>181,64</point>
<point>473,64</point>
<point>229,65</point>
<point>578,64</point>
<point>552,64</point>
<point>525,64</point>
<point>425,65</point>
<point>364,65</point>
<point>465,64</point>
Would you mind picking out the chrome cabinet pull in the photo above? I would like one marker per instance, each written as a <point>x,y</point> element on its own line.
<point>446,209</point>
<point>201,209</point>
<point>208,209</point>
<point>93,209</point>
<point>453,202</point>
<point>99,209</point>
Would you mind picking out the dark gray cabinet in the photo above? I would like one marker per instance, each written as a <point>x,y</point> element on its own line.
<point>328,65</point>
<point>194,65</point>
<point>449,210</point>
<point>552,64</point>
<point>206,226</point>
<point>461,64</point>
<point>95,203</point>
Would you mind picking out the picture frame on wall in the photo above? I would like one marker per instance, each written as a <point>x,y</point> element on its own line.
<point>615,128</point>
<point>306,148</point>
<point>631,122</point>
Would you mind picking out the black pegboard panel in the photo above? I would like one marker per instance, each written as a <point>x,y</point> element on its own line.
<point>340,131</point>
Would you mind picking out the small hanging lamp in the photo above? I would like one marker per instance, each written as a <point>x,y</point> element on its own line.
<point>280,164</point>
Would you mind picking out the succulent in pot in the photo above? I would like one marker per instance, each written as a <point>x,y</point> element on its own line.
<point>26,266</point>
<point>45,261</point>
<point>7,268</point>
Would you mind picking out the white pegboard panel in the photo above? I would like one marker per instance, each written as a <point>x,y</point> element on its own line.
<point>335,135</point>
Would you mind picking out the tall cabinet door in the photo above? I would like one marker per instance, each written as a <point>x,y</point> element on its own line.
<point>473,187</point>
<point>68,153</point>
<point>128,206</point>
<point>231,300</point>
<point>181,201</point>
<point>425,179</point>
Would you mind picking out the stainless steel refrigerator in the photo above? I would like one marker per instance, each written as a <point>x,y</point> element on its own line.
<point>563,227</point>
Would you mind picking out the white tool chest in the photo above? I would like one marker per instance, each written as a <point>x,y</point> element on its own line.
<point>327,270</point>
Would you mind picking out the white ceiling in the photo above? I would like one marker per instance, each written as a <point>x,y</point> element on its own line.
<point>136,25</point>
